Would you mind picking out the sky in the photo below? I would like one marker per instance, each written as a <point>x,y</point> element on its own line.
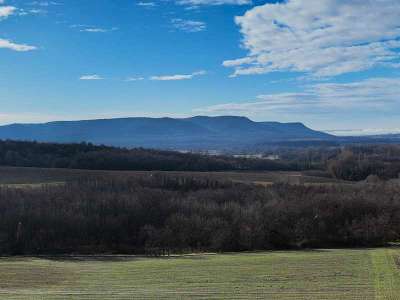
<point>332,64</point>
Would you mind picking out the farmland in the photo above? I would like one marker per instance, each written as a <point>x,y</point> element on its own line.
<point>318,274</point>
<point>49,211</point>
<point>90,264</point>
<point>31,176</point>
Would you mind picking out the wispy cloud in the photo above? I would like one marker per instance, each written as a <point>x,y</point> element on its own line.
<point>33,11</point>
<point>130,79</point>
<point>146,4</point>
<point>45,3</point>
<point>5,12</point>
<point>39,7</point>
<point>368,95</point>
<point>98,30</point>
<point>213,2</point>
<point>323,38</point>
<point>188,25</point>
<point>6,44</point>
<point>93,29</point>
<point>178,76</point>
<point>91,77</point>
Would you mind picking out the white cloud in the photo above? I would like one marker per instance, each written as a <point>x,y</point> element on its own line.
<point>35,11</point>
<point>6,11</point>
<point>147,4</point>
<point>91,77</point>
<point>129,79</point>
<point>213,2</point>
<point>40,7</point>
<point>45,3</point>
<point>6,44</point>
<point>92,29</point>
<point>178,77</point>
<point>371,94</point>
<point>97,30</point>
<point>319,37</point>
<point>188,25</point>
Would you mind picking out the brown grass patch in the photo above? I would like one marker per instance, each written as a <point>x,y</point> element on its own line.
<point>32,273</point>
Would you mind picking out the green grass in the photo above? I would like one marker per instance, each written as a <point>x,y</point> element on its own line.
<point>320,274</point>
<point>386,264</point>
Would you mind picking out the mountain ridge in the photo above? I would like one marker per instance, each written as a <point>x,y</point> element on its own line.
<point>199,132</point>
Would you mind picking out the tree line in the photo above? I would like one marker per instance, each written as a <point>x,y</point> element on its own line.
<point>158,213</point>
<point>93,157</point>
<point>353,163</point>
<point>356,163</point>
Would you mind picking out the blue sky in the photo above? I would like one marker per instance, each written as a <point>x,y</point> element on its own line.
<point>331,64</point>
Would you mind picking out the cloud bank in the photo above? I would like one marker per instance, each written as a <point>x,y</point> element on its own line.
<point>322,38</point>
<point>370,94</point>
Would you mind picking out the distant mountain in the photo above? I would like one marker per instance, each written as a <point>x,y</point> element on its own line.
<point>197,133</point>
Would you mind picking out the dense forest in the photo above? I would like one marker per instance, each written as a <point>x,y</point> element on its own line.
<point>163,212</point>
<point>159,213</point>
<point>91,157</point>
<point>352,163</point>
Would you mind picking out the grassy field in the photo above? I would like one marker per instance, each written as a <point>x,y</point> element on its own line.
<point>318,274</point>
<point>304,275</point>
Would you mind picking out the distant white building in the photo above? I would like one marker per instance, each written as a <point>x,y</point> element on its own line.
<point>257,156</point>
<point>272,157</point>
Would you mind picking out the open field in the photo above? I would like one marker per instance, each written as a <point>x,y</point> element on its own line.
<point>314,274</point>
<point>34,176</point>
<point>319,274</point>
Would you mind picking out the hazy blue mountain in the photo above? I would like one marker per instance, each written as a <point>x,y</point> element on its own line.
<point>224,132</point>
